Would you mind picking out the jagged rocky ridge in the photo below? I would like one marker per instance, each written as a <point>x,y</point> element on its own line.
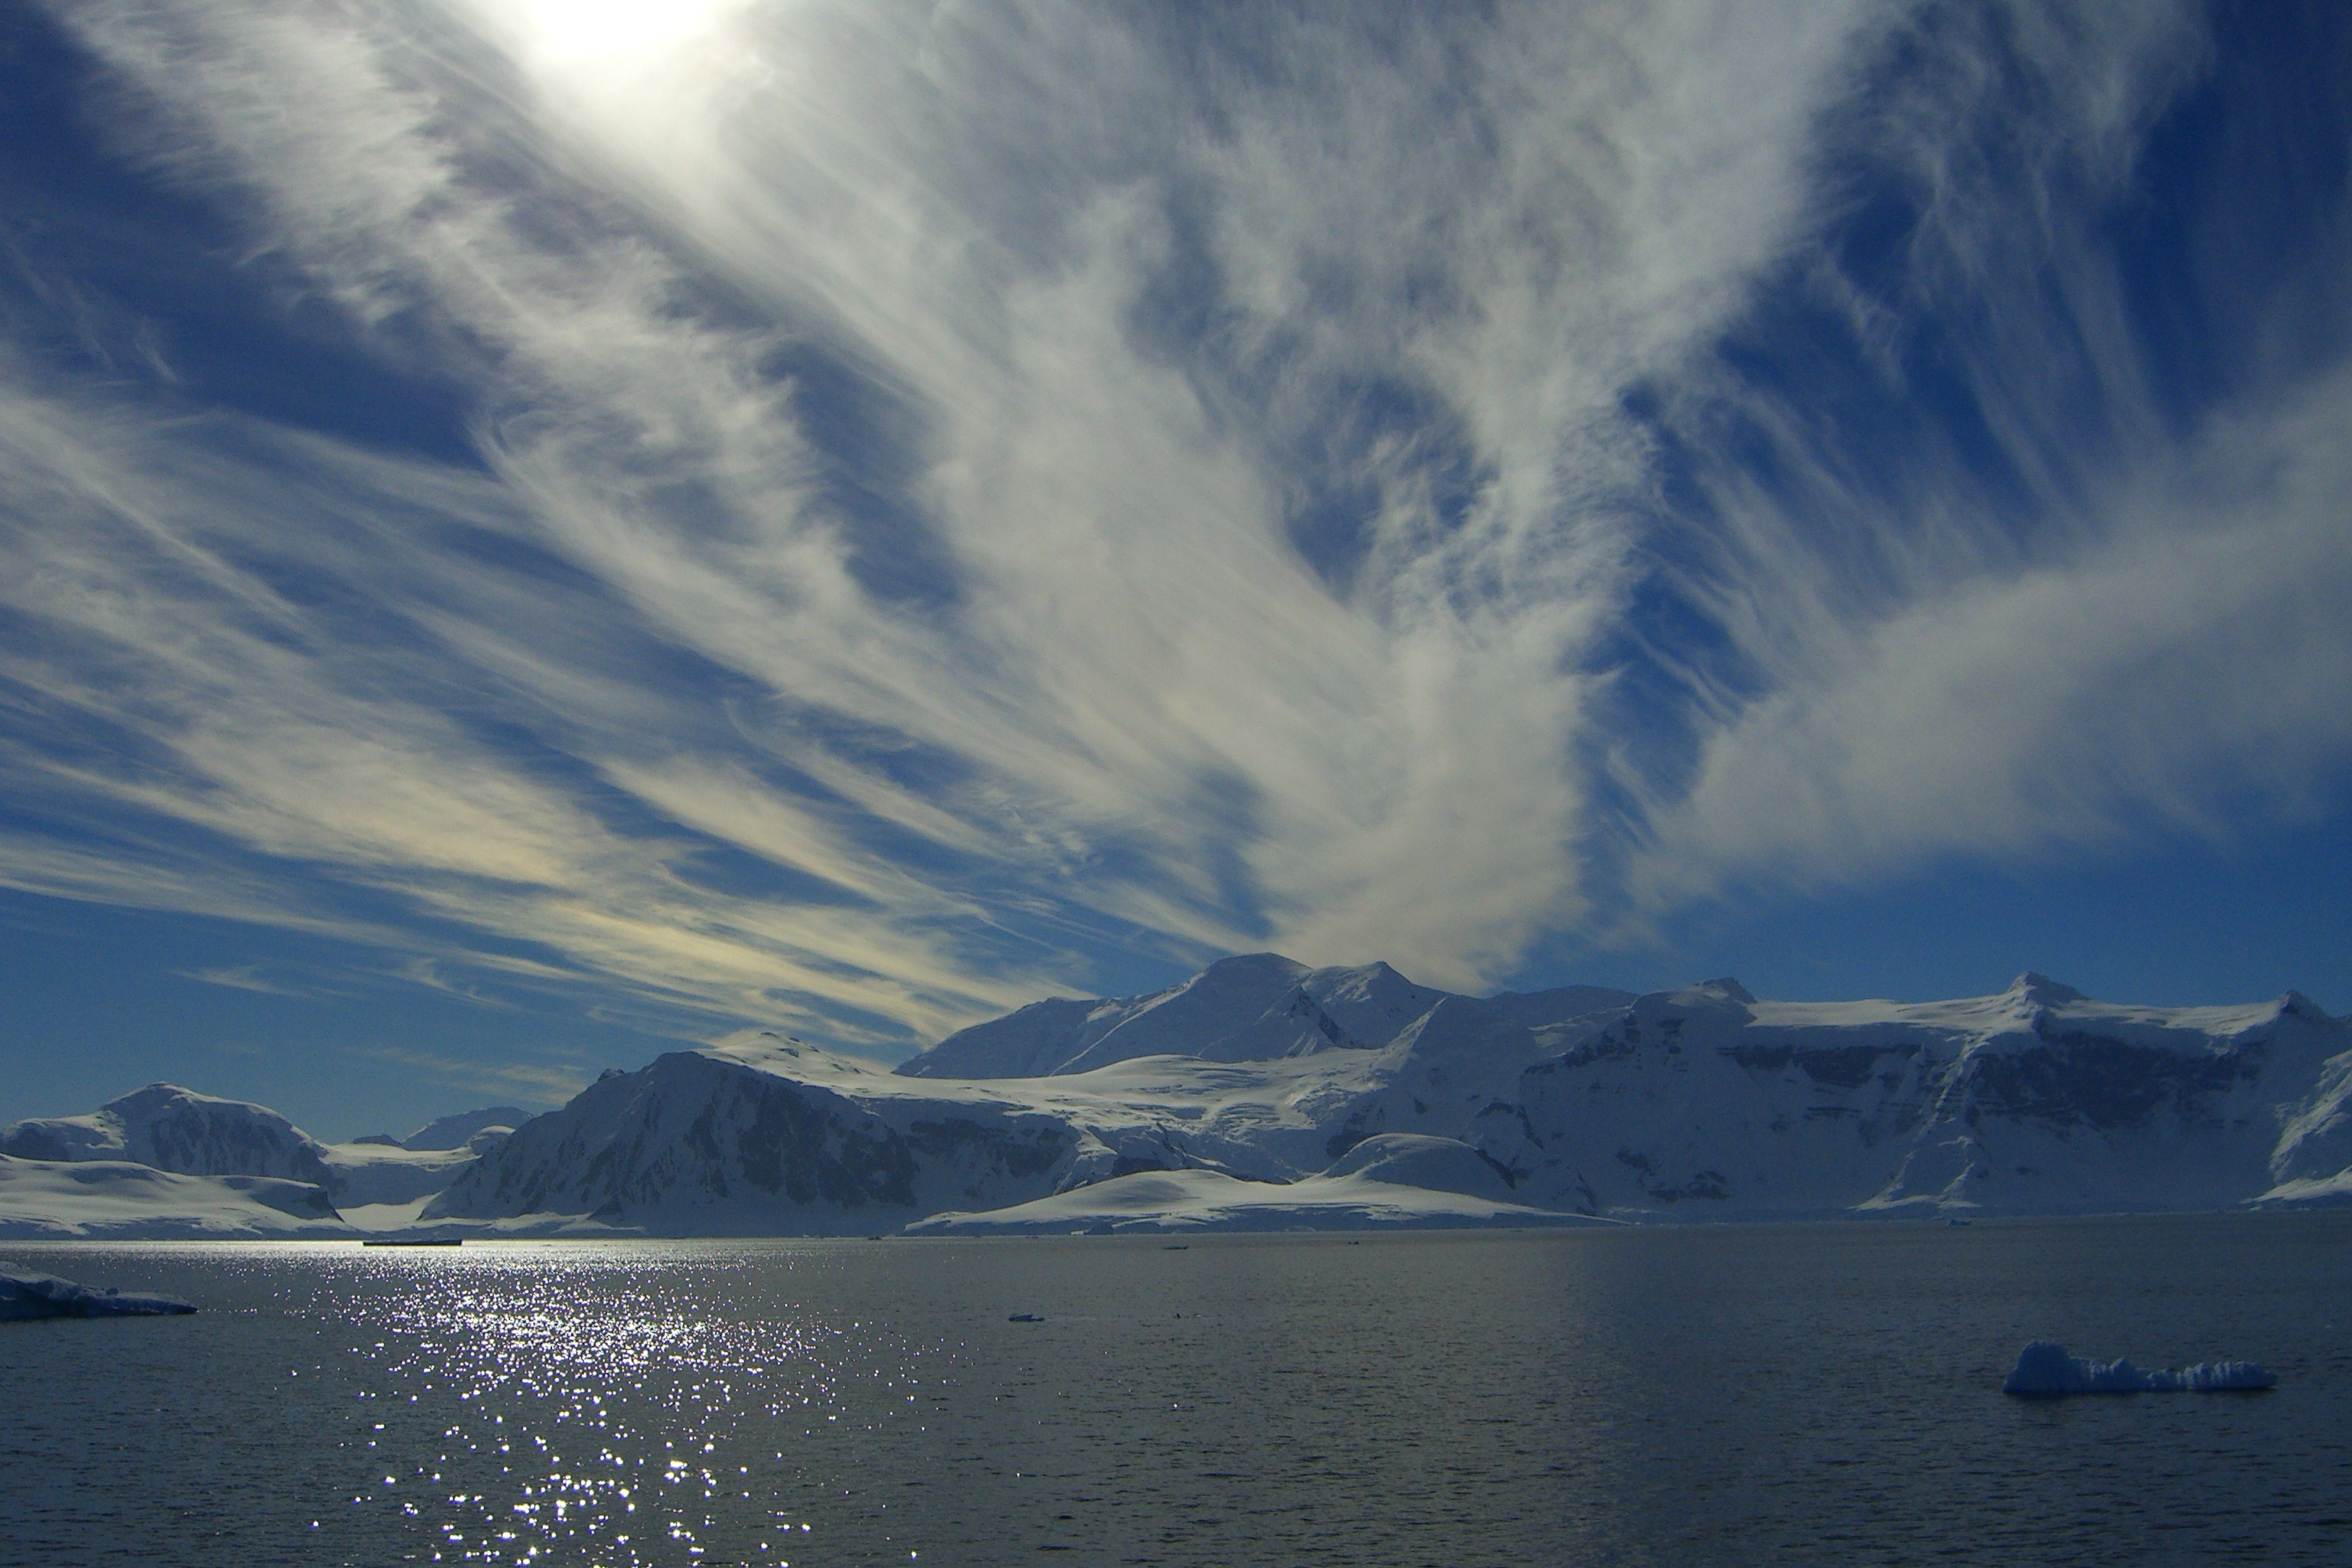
<point>1258,1075</point>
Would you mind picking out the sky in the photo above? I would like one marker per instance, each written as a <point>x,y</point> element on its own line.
<point>535,532</point>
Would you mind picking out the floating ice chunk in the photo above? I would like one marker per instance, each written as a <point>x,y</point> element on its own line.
<point>2045,1367</point>
<point>23,1294</point>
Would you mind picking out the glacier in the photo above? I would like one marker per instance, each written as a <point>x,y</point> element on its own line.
<point>2045,1367</point>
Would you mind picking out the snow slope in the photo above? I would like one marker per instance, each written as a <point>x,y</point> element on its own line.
<point>470,1129</point>
<point>1417,1160</point>
<point>1179,1201</point>
<point>366,1175</point>
<point>1257,1007</point>
<point>2313,1161</point>
<point>116,1200</point>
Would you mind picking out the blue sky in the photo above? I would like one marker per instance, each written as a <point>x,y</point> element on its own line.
<point>533,532</point>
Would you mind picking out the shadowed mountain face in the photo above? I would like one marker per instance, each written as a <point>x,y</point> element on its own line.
<point>2038,1100</point>
<point>705,1144</point>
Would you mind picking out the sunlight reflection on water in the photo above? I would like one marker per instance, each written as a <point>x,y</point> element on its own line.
<point>600,1407</point>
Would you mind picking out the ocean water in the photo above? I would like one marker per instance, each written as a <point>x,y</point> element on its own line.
<point>1750,1395</point>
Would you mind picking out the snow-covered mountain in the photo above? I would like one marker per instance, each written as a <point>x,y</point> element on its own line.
<point>2037,1099</point>
<point>1219,1101</point>
<point>1702,1103</point>
<point>164,1128</point>
<point>168,1128</point>
<point>1257,1007</point>
<point>762,1134</point>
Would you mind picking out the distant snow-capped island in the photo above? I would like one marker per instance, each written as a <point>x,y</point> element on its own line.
<point>1261,1094</point>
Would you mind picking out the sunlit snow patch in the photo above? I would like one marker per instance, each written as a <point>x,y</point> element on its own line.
<point>2045,1367</point>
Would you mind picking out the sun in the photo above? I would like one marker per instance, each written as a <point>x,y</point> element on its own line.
<point>585,32</point>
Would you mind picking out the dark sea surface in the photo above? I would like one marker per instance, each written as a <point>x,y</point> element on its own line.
<point>1671,1396</point>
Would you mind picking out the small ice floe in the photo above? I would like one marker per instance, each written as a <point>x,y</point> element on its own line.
<point>2045,1367</point>
<point>1024,1317</point>
<point>23,1294</point>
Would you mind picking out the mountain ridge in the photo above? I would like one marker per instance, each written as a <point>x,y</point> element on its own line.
<point>1259,1074</point>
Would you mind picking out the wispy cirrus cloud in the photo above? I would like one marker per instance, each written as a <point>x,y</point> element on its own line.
<point>536,1083</point>
<point>242,977</point>
<point>948,496</point>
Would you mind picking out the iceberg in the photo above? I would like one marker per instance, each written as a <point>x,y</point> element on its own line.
<point>23,1294</point>
<point>2043,1367</point>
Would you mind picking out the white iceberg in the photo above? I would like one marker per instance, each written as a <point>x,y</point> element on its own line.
<point>25,1294</point>
<point>2045,1367</point>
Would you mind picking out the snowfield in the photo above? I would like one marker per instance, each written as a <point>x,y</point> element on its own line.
<point>115,1200</point>
<point>1397,1180</point>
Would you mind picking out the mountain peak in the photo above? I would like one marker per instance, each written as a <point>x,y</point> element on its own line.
<point>2295,1005</point>
<point>1250,963</point>
<point>1728,988</point>
<point>152,1093</point>
<point>2043,991</point>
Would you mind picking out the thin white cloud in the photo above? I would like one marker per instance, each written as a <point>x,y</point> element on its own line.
<point>242,977</point>
<point>2189,668</point>
<point>534,1083</point>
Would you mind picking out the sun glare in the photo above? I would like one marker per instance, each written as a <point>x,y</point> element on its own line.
<point>602,32</point>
